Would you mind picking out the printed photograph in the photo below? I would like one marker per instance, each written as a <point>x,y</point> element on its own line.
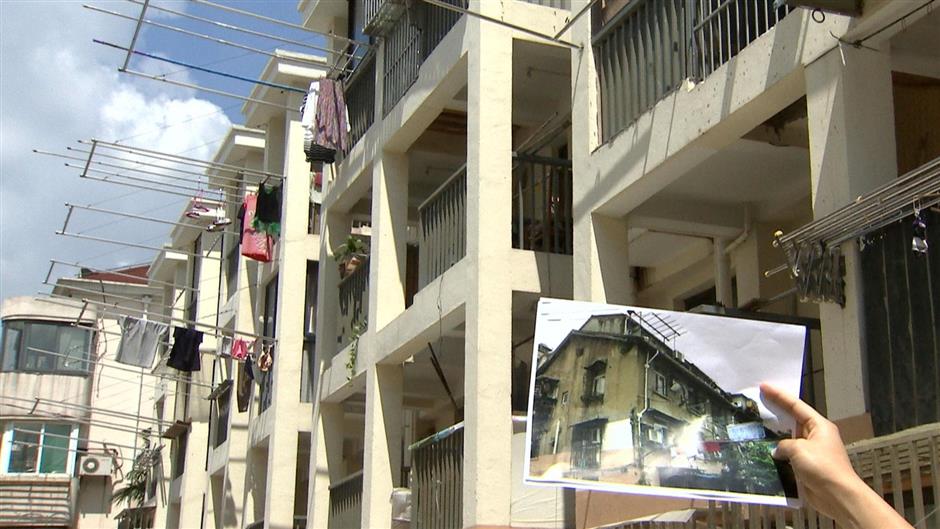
<point>660,402</point>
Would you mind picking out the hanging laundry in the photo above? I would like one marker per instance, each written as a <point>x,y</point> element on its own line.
<point>919,241</point>
<point>255,244</point>
<point>243,390</point>
<point>331,124</point>
<point>266,359</point>
<point>185,352</point>
<point>268,210</point>
<point>239,349</point>
<point>139,341</point>
<point>308,112</point>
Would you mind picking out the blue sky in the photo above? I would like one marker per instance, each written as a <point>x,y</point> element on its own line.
<point>57,86</point>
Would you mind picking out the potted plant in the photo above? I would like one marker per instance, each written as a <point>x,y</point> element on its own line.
<point>350,255</point>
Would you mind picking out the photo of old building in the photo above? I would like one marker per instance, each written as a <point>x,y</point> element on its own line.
<point>616,402</point>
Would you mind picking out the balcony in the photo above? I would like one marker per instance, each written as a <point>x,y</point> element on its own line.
<point>437,481</point>
<point>409,43</point>
<point>35,500</point>
<point>650,47</point>
<point>360,98</point>
<point>541,215</point>
<point>442,228</point>
<point>541,205</point>
<point>346,502</point>
<point>353,304</point>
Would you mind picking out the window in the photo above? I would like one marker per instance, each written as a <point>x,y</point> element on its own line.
<point>269,328</point>
<point>46,347</point>
<point>656,433</point>
<point>564,398</point>
<point>586,443</point>
<point>179,454</point>
<point>39,448</point>
<point>659,384</point>
<point>223,406</point>
<point>231,264</point>
<point>595,381</point>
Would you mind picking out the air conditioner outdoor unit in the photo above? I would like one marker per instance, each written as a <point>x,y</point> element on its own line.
<point>95,465</point>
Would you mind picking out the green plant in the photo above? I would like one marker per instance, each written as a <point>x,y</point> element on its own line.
<point>135,490</point>
<point>357,329</point>
<point>354,246</point>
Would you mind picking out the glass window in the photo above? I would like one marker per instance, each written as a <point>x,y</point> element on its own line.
<point>39,448</point>
<point>46,347</point>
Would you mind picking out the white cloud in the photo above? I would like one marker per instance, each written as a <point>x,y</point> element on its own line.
<point>56,87</point>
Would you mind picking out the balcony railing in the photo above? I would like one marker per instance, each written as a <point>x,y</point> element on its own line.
<point>437,481</point>
<point>346,502</point>
<point>409,43</point>
<point>35,500</point>
<point>442,229</point>
<point>651,46</point>
<point>541,204</point>
<point>360,98</point>
<point>557,4</point>
<point>353,304</point>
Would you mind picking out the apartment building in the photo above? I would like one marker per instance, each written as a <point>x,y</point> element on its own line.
<point>646,155</point>
<point>239,453</point>
<point>72,417</point>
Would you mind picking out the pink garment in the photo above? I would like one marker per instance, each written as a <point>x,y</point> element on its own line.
<point>331,123</point>
<point>256,245</point>
<point>239,349</point>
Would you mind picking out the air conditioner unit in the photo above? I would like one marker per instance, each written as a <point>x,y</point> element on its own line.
<point>95,465</point>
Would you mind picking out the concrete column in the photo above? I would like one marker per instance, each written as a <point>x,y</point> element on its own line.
<point>382,456</point>
<point>601,257</point>
<point>326,460</point>
<point>487,420</point>
<point>852,150</point>
<point>292,270</point>
<point>723,290</point>
<point>389,237</point>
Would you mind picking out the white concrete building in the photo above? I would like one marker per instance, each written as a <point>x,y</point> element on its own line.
<point>646,156</point>
<point>72,418</point>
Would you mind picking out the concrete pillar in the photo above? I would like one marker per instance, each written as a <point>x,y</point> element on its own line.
<point>852,150</point>
<point>601,257</point>
<point>292,271</point>
<point>326,460</point>
<point>389,238</point>
<point>723,290</point>
<point>383,437</point>
<point>487,426</point>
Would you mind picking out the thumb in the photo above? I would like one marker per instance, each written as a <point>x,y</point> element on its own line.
<point>787,449</point>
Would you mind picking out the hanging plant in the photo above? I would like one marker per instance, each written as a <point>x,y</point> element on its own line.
<point>358,329</point>
<point>350,255</point>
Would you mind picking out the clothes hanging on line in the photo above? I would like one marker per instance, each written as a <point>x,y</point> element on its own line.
<point>332,125</point>
<point>268,210</point>
<point>255,244</point>
<point>308,111</point>
<point>266,358</point>
<point>239,349</point>
<point>243,390</point>
<point>139,341</point>
<point>184,355</point>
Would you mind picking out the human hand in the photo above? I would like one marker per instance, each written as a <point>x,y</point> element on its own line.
<point>827,480</point>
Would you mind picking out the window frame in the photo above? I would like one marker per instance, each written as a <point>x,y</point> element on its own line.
<point>18,364</point>
<point>661,390</point>
<point>6,452</point>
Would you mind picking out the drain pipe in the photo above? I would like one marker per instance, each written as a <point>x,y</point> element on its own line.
<point>638,442</point>
<point>744,234</point>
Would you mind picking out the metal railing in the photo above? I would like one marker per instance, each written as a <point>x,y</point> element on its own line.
<point>353,303</point>
<point>437,481</point>
<point>442,228</point>
<point>651,46</point>
<point>409,43</point>
<point>36,500</point>
<point>359,91</point>
<point>346,502</point>
<point>722,28</point>
<point>541,204</point>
